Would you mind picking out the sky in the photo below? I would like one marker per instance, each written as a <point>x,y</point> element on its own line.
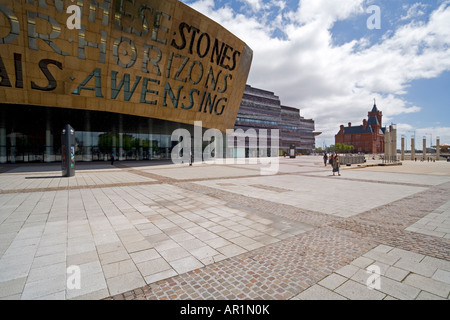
<point>332,58</point>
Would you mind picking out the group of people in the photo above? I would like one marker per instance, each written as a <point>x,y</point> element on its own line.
<point>333,161</point>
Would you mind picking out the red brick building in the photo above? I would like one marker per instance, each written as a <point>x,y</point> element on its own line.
<point>367,138</point>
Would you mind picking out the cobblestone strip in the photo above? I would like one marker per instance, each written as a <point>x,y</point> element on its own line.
<point>404,212</point>
<point>387,224</point>
<point>410,241</point>
<point>367,181</point>
<point>97,186</point>
<point>313,218</point>
<point>279,271</point>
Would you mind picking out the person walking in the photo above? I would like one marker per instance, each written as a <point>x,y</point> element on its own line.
<point>325,159</point>
<point>336,165</point>
<point>112,158</point>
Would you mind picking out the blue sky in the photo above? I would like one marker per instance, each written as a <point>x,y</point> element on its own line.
<point>321,57</point>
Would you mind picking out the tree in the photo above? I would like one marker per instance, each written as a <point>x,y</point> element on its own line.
<point>349,148</point>
<point>331,148</point>
<point>342,147</point>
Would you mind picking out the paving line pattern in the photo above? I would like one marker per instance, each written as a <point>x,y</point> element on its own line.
<point>293,268</point>
<point>157,237</point>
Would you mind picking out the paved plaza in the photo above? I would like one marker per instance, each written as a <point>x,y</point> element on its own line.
<point>159,231</point>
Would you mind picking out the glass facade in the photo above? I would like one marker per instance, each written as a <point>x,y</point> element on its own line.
<point>33,134</point>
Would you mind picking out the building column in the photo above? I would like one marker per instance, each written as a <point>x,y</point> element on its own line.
<point>413,149</point>
<point>141,148</point>
<point>438,148</point>
<point>3,155</point>
<point>120,138</point>
<point>87,140</point>
<point>13,147</point>
<point>114,140</point>
<point>387,145</point>
<point>49,155</point>
<point>402,158</point>
<point>150,139</point>
<point>424,148</point>
<point>394,143</point>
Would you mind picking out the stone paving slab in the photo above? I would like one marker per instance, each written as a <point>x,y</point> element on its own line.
<point>313,194</point>
<point>53,180</point>
<point>390,177</point>
<point>127,235</point>
<point>400,275</point>
<point>435,169</point>
<point>437,223</point>
<point>203,172</point>
<point>299,234</point>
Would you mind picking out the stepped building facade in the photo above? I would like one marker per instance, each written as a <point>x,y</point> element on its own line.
<point>262,110</point>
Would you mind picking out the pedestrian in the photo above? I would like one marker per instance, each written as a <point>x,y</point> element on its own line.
<point>112,158</point>
<point>325,159</point>
<point>336,165</point>
<point>191,158</point>
<point>331,160</point>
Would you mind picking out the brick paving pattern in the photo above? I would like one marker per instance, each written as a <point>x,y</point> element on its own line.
<point>284,270</point>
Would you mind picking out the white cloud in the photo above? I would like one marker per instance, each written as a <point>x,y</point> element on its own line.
<point>335,84</point>
<point>328,11</point>
<point>256,5</point>
<point>416,10</point>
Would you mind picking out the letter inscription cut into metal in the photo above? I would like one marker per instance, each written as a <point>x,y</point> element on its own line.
<point>150,58</point>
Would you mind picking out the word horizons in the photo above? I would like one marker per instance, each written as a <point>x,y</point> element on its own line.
<point>196,75</point>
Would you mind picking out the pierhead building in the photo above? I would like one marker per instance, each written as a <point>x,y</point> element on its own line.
<point>365,138</point>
